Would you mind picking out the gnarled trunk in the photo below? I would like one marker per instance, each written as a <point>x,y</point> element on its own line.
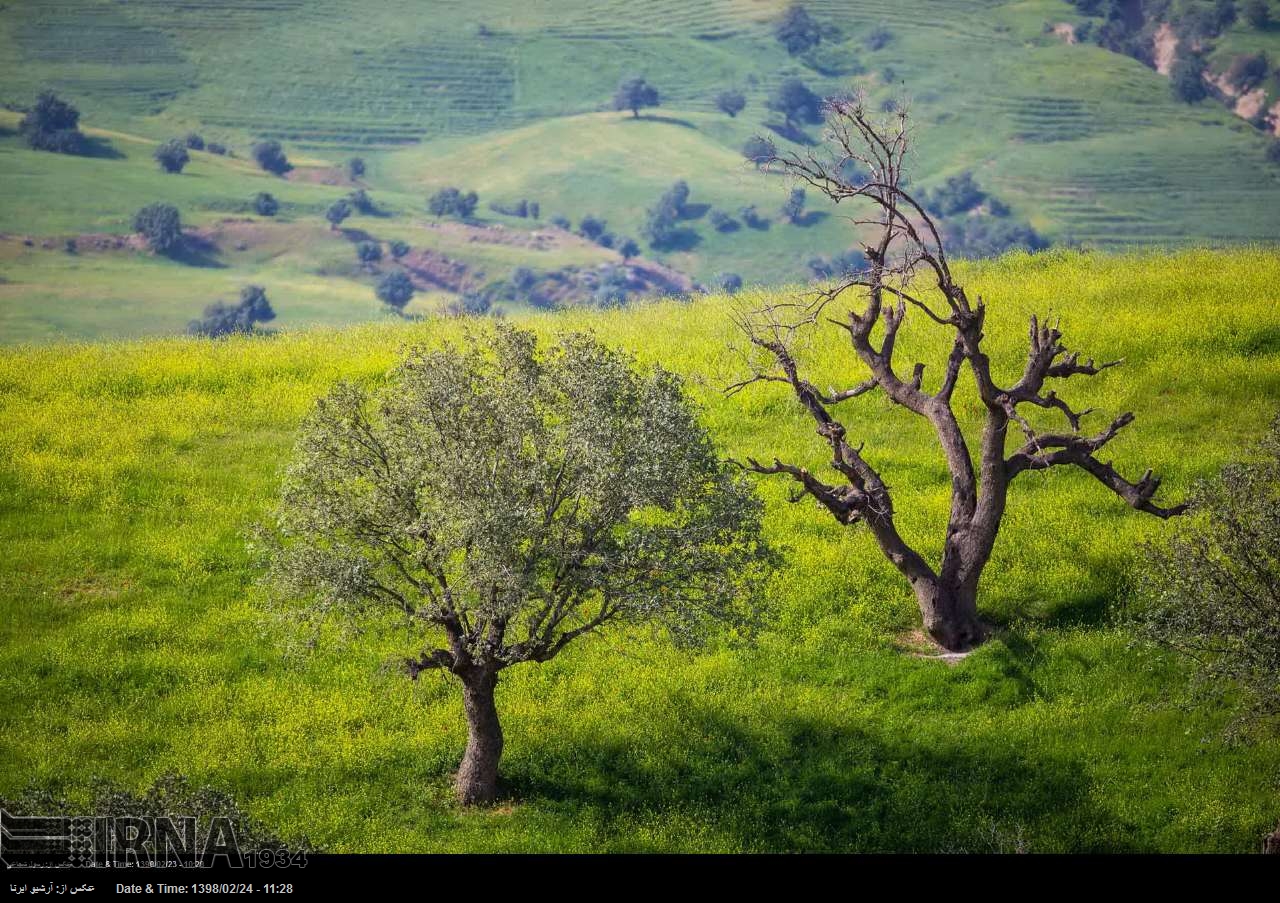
<point>477,781</point>
<point>950,613</point>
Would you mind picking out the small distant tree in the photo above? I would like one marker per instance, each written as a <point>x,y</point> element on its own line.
<point>52,125</point>
<point>796,103</point>
<point>221,319</point>
<point>452,202</point>
<point>194,141</point>
<point>355,167</point>
<point>214,147</point>
<point>751,216</point>
<point>265,204</point>
<point>395,289</point>
<point>362,202</point>
<point>731,102</point>
<point>161,226</point>
<point>1258,14</point>
<point>471,304</point>
<point>560,222</point>
<point>592,227</point>
<point>368,252</point>
<point>1186,79</point>
<point>635,94</point>
<point>399,248</point>
<point>534,209</point>
<point>1210,592</point>
<point>534,497</point>
<point>909,272</point>
<point>677,198</point>
<point>660,227</point>
<point>523,280</point>
<point>722,222</point>
<point>959,194</point>
<point>271,157</point>
<point>338,211</point>
<point>629,248</point>
<point>172,155</point>
<point>793,209</point>
<point>797,31</point>
<point>729,283</point>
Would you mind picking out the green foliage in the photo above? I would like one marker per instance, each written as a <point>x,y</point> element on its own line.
<point>355,167</point>
<point>731,102</point>
<point>369,252</point>
<point>452,202</point>
<point>1258,14</point>
<point>338,212</point>
<point>395,289</point>
<point>362,202</point>
<point>959,194</point>
<point>1186,79</point>
<point>989,236</point>
<point>161,226</point>
<point>399,248</point>
<point>729,283</point>
<point>194,140</point>
<point>1247,71</point>
<point>1211,590</point>
<point>793,209</point>
<point>221,319</point>
<point>52,125</point>
<point>629,248</point>
<point>265,204</point>
<point>172,155</point>
<point>271,157</point>
<point>797,31</point>
<point>635,94</point>
<point>796,102</point>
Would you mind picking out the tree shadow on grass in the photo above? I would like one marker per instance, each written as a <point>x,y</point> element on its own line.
<point>811,785</point>
<point>682,240</point>
<point>197,251</point>
<point>694,211</point>
<point>811,218</point>
<point>669,120</point>
<point>99,149</point>
<point>792,133</point>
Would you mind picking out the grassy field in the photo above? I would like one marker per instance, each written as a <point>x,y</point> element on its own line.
<point>132,640</point>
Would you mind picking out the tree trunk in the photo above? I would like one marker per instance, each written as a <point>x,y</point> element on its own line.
<point>950,613</point>
<point>477,782</point>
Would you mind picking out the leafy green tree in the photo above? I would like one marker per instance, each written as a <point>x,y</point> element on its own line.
<point>797,31</point>
<point>1258,14</point>
<point>355,167</point>
<point>221,319</point>
<point>796,103</point>
<point>504,501</point>
<point>395,289</point>
<point>214,147</point>
<point>265,204</point>
<point>591,227</point>
<point>629,248</point>
<point>172,155</point>
<point>635,94</point>
<point>161,226</point>
<point>1186,79</point>
<point>362,202</point>
<point>731,102</point>
<point>271,157</point>
<point>1210,592</point>
<point>1247,71</point>
<point>729,283</point>
<point>452,202</point>
<point>368,252</point>
<point>52,124</point>
<point>399,249</point>
<point>194,141</point>
<point>338,211</point>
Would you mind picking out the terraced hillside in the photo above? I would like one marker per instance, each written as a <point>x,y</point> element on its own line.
<point>512,99</point>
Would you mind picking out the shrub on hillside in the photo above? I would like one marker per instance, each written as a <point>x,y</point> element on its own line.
<point>52,125</point>
<point>214,147</point>
<point>194,141</point>
<point>368,252</point>
<point>796,102</point>
<point>729,283</point>
<point>797,31</point>
<point>271,157</point>
<point>338,211</point>
<point>221,319</point>
<point>629,248</point>
<point>355,167</point>
<point>172,155</point>
<point>1247,71</point>
<point>721,221</point>
<point>634,94</point>
<point>758,150</point>
<point>1186,79</point>
<point>395,289</point>
<point>452,202</point>
<point>793,208</point>
<point>878,38</point>
<point>731,102</point>
<point>1258,14</point>
<point>361,202</point>
<point>265,204</point>
<point>398,248</point>
<point>161,226</point>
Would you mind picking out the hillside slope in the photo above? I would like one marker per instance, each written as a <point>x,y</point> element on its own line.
<point>132,642</point>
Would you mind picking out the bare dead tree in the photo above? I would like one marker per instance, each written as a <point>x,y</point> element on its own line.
<point>907,271</point>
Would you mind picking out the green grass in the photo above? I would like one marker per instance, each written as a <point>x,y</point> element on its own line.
<point>131,639</point>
